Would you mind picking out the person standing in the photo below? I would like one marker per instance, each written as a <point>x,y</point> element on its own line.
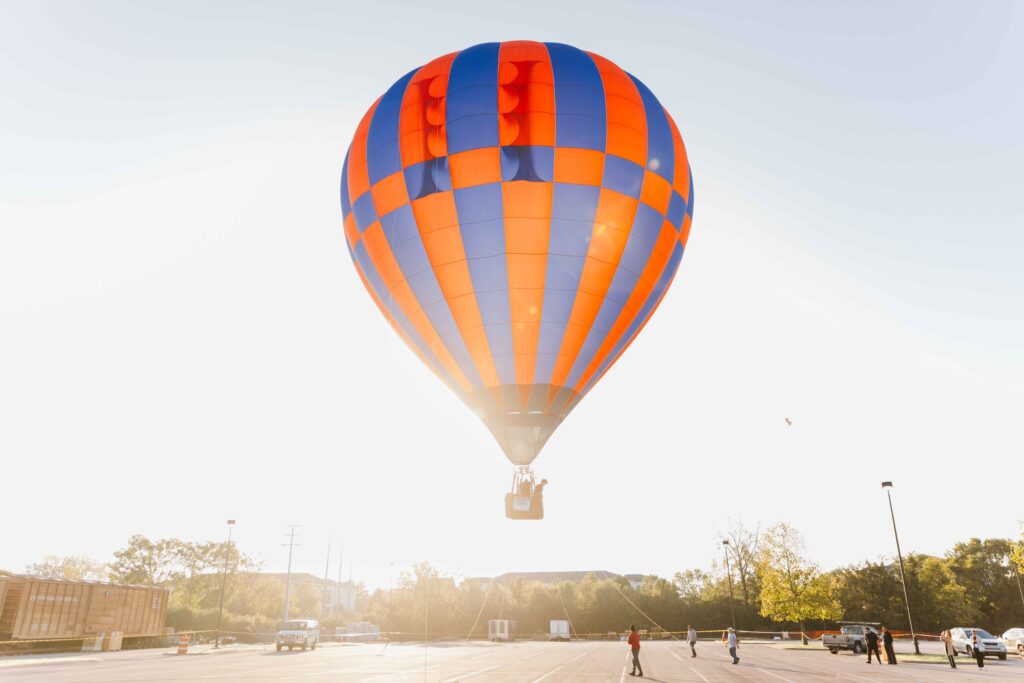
<point>947,644</point>
<point>732,642</point>
<point>890,654</point>
<point>634,647</point>
<point>978,648</point>
<point>691,638</point>
<point>871,640</point>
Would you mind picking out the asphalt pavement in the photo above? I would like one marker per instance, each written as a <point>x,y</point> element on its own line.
<point>525,662</point>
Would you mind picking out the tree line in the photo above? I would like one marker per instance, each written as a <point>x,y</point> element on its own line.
<point>775,586</point>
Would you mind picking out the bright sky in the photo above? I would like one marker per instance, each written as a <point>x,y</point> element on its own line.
<point>183,338</point>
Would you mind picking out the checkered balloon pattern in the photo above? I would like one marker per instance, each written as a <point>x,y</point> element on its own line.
<point>517,211</point>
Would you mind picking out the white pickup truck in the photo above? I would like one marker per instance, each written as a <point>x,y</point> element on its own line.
<point>849,638</point>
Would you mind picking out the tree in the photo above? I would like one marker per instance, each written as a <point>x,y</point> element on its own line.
<point>984,569</point>
<point>792,587</point>
<point>1017,557</point>
<point>71,567</point>
<point>148,562</point>
<point>742,550</point>
<point>692,584</point>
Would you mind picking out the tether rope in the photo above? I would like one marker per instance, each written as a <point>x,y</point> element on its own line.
<point>480,613</point>
<point>572,628</point>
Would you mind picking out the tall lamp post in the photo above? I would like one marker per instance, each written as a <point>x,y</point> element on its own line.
<point>887,485</point>
<point>391,588</point>
<point>224,581</point>
<point>728,573</point>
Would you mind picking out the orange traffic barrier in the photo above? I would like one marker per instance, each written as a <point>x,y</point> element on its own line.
<point>183,644</point>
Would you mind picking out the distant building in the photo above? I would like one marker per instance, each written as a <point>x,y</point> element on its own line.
<point>336,597</point>
<point>635,580</point>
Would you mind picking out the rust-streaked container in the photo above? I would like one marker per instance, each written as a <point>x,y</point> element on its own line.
<point>36,608</point>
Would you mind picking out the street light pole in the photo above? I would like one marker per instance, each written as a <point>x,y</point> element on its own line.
<point>224,581</point>
<point>391,588</point>
<point>903,577</point>
<point>728,573</point>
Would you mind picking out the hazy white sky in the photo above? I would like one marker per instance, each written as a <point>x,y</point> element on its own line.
<point>183,338</point>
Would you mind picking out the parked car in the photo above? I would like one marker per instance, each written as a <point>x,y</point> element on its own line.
<point>849,638</point>
<point>1014,640</point>
<point>301,633</point>
<point>989,644</point>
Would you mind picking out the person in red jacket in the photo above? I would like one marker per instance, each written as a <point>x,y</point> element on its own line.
<point>634,646</point>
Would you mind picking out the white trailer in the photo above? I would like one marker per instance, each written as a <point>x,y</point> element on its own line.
<point>500,629</point>
<point>559,630</point>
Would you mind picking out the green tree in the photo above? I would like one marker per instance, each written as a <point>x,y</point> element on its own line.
<point>148,562</point>
<point>71,567</point>
<point>692,584</point>
<point>985,569</point>
<point>792,587</point>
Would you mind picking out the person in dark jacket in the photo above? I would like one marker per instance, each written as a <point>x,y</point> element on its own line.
<point>890,654</point>
<point>978,649</point>
<point>871,638</point>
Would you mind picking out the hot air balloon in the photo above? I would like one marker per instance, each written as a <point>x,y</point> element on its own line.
<point>517,211</point>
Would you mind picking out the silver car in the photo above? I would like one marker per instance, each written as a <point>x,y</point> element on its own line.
<point>988,644</point>
<point>1014,640</point>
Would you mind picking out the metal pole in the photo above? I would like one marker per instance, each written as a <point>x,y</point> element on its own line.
<point>327,581</point>
<point>728,573</point>
<point>223,582</point>
<point>899,554</point>
<point>341,556</point>
<point>391,588</point>
<point>288,580</point>
<point>1019,589</point>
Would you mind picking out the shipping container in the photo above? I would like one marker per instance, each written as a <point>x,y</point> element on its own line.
<point>35,608</point>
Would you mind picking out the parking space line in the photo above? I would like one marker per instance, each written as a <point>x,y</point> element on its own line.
<point>538,680</point>
<point>471,674</point>
<point>773,674</point>
<point>699,674</point>
<point>403,672</point>
<point>531,656</point>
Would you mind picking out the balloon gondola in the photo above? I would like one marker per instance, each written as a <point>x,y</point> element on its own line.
<point>517,211</point>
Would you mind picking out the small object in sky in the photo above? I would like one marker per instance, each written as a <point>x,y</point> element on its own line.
<point>789,422</point>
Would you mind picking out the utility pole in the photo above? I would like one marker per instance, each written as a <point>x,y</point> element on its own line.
<point>903,577</point>
<point>327,569</point>
<point>341,556</point>
<point>224,582</point>
<point>728,573</point>
<point>288,581</point>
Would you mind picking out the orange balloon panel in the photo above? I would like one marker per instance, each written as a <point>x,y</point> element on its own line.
<point>517,211</point>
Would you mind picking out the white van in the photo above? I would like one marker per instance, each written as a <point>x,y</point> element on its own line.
<point>299,633</point>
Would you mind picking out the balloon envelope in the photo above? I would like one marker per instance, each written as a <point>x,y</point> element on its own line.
<point>517,211</point>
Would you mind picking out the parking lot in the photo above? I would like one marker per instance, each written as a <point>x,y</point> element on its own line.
<point>528,662</point>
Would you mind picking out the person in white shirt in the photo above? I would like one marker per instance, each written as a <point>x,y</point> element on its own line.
<point>732,642</point>
<point>691,638</point>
